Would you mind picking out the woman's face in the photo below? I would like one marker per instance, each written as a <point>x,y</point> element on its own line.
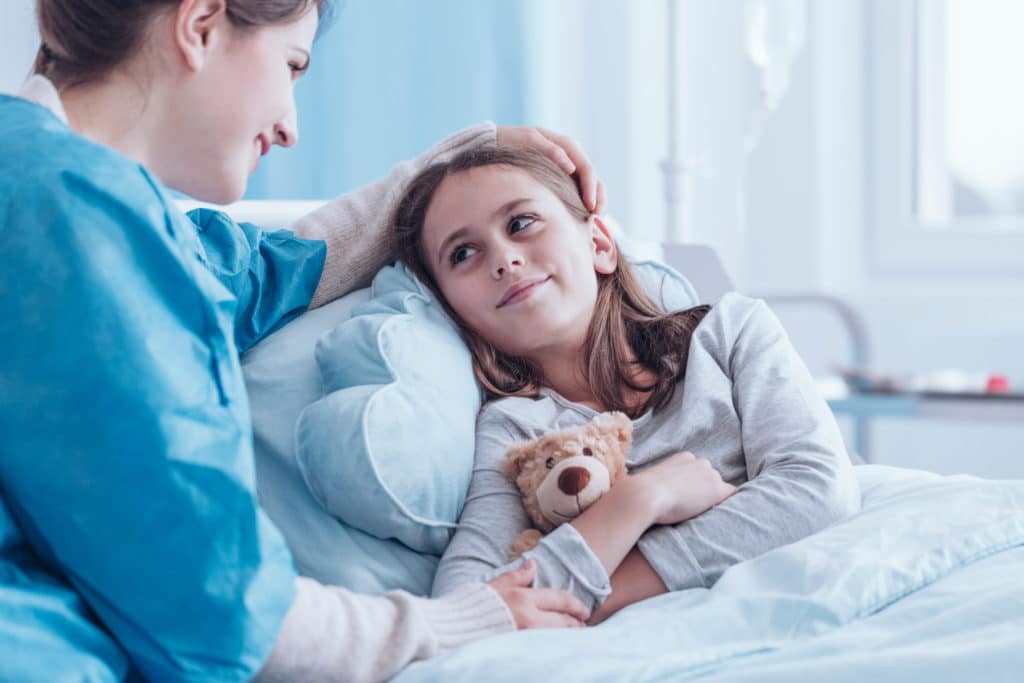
<point>240,104</point>
<point>512,262</point>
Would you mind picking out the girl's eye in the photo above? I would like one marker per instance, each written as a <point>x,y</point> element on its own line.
<point>460,254</point>
<point>519,223</point>
<point>297,69</point>
<point>550,463</point>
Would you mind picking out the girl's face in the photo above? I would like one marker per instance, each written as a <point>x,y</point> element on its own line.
<point>512,262</point>
<point>239,105</point>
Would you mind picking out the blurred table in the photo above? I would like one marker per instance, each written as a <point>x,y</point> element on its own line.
<point>863,406</point>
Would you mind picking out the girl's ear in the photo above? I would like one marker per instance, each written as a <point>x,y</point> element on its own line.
<point>605,251</point>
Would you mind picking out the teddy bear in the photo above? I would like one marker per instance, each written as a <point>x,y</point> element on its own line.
<point>561,474</point>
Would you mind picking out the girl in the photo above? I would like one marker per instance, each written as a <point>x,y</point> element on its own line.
<point>559,332</point>
<point>131,542</point>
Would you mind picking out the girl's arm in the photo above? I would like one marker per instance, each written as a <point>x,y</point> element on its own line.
<point>678,488</point>
<point>579,556</point>
<point>633,581</point>
<point>800,478</point>
<point>493,517</point>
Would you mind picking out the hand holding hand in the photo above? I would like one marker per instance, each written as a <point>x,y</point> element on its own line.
<point>537,607</point>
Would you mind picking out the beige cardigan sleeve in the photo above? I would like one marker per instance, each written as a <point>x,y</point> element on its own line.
<point>355,225</point>
<point>332,634</point>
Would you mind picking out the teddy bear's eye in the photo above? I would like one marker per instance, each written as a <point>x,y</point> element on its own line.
<point>550,463</point>
<point>587,451</point>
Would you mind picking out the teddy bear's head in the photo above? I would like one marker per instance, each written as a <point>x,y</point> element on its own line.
<point>560,474</point>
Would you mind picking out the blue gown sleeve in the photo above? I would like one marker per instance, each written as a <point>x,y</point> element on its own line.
<point>127,451</point>
<point>273,275</point>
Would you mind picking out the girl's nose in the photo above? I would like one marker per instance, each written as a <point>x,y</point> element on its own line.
<point>505,265</point>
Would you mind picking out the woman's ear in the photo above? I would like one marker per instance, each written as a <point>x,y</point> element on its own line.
<point>605,251</point>
<point>196,23</point>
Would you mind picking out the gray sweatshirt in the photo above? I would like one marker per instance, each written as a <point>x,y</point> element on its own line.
<point>747,404</point>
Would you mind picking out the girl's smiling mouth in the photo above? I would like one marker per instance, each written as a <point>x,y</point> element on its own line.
<point>520,291</point>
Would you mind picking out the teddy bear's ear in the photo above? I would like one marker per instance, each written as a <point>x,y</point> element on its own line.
<point>621,426</point>
<point>514,460</point>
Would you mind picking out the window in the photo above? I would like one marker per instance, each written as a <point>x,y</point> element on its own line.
<point>946,136</point>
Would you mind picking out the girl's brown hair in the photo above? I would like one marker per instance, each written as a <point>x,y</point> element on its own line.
<point>626,324</point>
<point>83,40</point>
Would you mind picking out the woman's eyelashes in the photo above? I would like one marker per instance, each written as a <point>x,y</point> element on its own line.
<point>516,225</point>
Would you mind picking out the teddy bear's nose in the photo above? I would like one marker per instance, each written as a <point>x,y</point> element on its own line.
<point>573,480</point>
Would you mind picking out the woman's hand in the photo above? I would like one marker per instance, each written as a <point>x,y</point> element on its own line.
<point>682,486</point>
<point>537,607</point>
<point>563,151</point>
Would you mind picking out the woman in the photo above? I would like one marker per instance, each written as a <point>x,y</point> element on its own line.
<point>131,544</point>
<point>733,451</point>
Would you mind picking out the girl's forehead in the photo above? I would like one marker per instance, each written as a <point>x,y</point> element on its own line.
<point>470,198</point>
<point>492,183</point>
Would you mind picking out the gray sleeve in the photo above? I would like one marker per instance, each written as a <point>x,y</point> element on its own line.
<point>800,478</point>
<point>493,517</point>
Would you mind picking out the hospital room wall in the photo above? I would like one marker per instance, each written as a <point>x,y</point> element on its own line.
<point>389,79</point>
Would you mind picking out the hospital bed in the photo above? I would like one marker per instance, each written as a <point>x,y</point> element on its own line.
<point>923,584</point>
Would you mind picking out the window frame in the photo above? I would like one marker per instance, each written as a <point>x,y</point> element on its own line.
<point>898,242</point>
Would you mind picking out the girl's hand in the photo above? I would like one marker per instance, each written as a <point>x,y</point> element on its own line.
<point>537,607</point>
<point>682,486</point>
<point>563,151</point>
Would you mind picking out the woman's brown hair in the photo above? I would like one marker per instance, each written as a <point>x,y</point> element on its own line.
<point>83,40</point>
<point>626,324</point>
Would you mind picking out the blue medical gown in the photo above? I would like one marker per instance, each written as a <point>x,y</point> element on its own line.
<point>131,542</point>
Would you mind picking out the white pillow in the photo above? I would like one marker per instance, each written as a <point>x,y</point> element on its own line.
<point>282,378</point>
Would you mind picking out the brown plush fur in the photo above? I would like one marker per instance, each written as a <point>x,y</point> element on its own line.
<point>607,438</point>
